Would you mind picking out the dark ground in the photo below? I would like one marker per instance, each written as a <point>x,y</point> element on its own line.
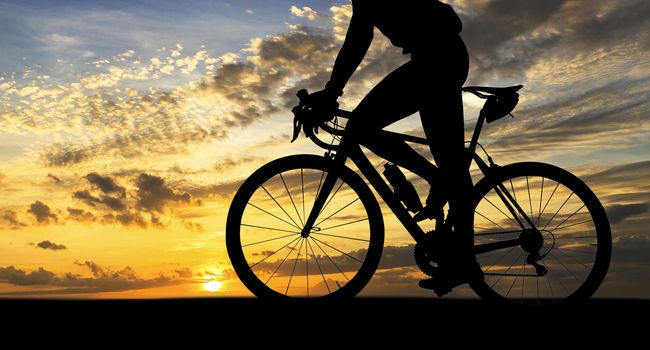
<point>375,316</point>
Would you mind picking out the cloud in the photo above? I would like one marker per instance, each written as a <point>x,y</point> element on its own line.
<point>10,218</point>
<point>19,277</point>
<point>42,213</point>
<point>47,245</point>
<point>54,178</point>
<point>128,218</point>
<point>110,202</point>
<point>106,184</point>
<point>154,194</point>
<point>306,12</point>
<point>618,213</point>
<point>102,280</point>
<point>81,215</point>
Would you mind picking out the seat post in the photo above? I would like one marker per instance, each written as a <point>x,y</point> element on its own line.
<point>477,132</point>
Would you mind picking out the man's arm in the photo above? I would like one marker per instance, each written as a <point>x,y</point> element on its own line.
<point>356,44</point>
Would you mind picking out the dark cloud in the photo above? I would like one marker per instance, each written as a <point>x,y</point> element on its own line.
<point>228,164</point>
<point>185,273</point>
<point>618,213</point>
<point>65,155</point>
<point>50,246</point>
<point>19,277</point>
<point>106,184</point>
<point>54,178</point>
<point>128,218</point>
<point>81,215</point>
<point>102,280</point>
<point>629,268</point>
<point>192,226</point>
<point>11,219</point>
<point>154,193</point>
<point>42,212</point>
<point>111,202</point>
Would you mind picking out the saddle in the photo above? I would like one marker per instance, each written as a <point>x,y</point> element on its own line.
<point>499,103</point>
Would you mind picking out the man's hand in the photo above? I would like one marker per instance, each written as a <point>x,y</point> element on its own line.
<point>323,104</point>
<point>324,100</point>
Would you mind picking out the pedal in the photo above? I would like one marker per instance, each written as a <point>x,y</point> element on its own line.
<point>441,289</point>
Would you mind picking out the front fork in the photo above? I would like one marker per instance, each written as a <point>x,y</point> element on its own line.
<point>325,190</point>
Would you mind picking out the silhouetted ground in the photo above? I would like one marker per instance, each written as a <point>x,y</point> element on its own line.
<point>599,317</point>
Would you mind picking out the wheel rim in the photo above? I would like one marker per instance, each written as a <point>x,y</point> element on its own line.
<point>275,260</point>
<point>574,245</point>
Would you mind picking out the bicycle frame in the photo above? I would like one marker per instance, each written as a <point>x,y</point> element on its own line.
<point>351,150</point>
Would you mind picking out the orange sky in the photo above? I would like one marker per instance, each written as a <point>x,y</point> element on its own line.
<point>117,167</point>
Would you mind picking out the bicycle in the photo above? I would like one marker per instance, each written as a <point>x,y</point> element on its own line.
<point>541,236</point>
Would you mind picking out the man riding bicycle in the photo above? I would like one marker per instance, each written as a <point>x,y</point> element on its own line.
<point>430,83</point>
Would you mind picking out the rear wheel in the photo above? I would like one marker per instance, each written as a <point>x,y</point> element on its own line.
<point>265,220</point>
<point>569,223</point>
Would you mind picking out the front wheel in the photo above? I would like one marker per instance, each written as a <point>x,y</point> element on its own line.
<point>263,231</point>
<point>570,235</point>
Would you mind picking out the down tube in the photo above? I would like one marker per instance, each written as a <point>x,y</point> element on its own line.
<point>369,171</point>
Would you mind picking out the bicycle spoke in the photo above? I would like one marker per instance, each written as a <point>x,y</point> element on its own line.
<point>574,259</point>
<point>486,218</point>
<point>336,212</point>
<point>319,268</point>
<point>322,175</point>
<point>338,250</point>
<point>294,266</point>
<point>504,214</point>
<point>558,211</point>
<point>337,236</point>
<point>281,263</point>
<point>307,268</point>
<point>530,201</point>
<point>576,251</point>
<point>269,228</point>
<point>556,278</point>
<point>501,276</point>
<point>276,202</point>
<point>270,255</point>
<point>291,198</point>
<point>302,186</point>
<point>565,267</point>
<point>273,215</point>
<point>267,240</point>
<point>578,237</point>
<point>343,224</point>
<point>496,253</point>
<point>568,217</point>
<point>514,194</point>
<point>541,195</point>
<point>575,224</point>
<point>330,259</point>
<point>549,199</point>
<point>330,200</point>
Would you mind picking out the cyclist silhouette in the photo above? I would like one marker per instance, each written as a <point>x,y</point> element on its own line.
<point>430,83</point>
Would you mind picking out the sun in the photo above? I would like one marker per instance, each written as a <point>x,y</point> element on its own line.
<point>212,286</point>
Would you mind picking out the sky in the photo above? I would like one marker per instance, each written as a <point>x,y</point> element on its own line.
<point>127,126</point>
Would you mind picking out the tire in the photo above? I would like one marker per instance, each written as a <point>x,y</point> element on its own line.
<point>577,239</point>
<point>342,255</point>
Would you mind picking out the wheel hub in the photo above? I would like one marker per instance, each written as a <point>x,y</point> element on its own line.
<point>532,240</point>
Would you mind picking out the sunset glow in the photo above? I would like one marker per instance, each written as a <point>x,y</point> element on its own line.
<point>125,130</point>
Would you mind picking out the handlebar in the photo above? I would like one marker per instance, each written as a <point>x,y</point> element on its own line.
<point>309,120</point>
